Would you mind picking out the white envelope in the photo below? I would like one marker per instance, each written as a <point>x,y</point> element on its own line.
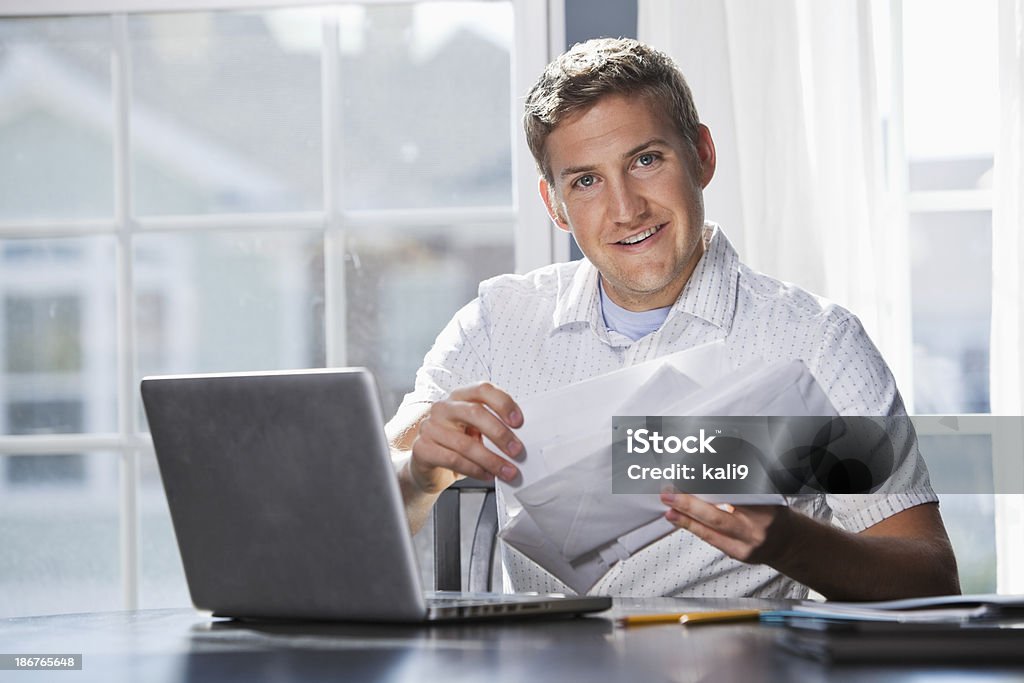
<point>576,503</point>
<point>574,509</point>
<point>523,535</point>
<point>588,406</point>
<point>577,511</point>
<point>783,388</point>
<point>666,386</point>
<point>581,574</point>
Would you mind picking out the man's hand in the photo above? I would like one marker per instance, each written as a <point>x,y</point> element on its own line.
<point>449,442</point>
<point>905,555</point>
<point>756,534</point>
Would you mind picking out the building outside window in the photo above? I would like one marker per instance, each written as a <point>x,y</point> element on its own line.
<point>220,190</point>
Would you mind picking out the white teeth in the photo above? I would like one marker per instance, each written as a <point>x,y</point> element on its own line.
<point>640,237</point>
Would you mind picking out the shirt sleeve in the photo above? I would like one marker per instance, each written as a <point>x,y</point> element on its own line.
<point>852,372</point>
<point>458,357</point>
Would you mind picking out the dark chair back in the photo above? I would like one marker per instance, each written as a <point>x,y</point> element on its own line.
<point>448,535</point>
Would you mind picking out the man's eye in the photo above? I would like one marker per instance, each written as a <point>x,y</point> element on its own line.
<point>646,159</point>
<point>586,180</point>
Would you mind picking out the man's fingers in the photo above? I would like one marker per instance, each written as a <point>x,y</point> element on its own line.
<point>433,456</point>
<point>740,532</point>
<point>474,418</point>
<point>695,527</point>
<point>450,437</point>
<point>441,445</point>
<point>711,516</point>
<point>494,398</point>
<point>475,451</point>
<point>456,462</point>
<point>730,546</point>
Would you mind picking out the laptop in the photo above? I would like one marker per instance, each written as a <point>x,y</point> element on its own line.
<point>285,503</point>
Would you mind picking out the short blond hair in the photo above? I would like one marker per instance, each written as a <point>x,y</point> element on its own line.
<point>588,71</point>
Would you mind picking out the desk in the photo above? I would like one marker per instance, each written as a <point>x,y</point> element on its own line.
<point>155,646</point>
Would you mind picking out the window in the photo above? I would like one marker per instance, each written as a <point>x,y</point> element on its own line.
<point>942,124</point>
<point>950,120</point>
<point>220,190</point>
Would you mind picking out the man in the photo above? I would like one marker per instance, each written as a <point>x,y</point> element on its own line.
<point>623,161</point>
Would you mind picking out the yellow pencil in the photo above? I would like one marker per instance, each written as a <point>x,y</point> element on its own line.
<point>689,617</point>
<point>718,617</point>
<point>644,619</point>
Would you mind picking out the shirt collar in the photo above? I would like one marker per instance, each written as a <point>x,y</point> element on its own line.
<point>582,300</point>
<point>710,293</point>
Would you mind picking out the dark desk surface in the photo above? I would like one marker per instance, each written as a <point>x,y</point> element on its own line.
<point>184,645</point>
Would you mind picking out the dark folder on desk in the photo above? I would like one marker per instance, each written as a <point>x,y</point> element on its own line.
<point>875,642</point>
<point>285,503</point>
<point>952,628</point>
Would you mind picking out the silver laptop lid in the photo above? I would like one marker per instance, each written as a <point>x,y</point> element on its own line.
<point>282,495</point>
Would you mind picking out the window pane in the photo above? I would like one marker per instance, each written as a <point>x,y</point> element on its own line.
<point>402,287</point>
<point>57,336</point>
<point>225,113</point>
<point>44,417</point>
<point>56,150</point>
<point>951,78</point>
<point>59,532</point>
<point>969,518</point>
<point>229,301</point>
<point>951,278</point>
<point>43,333</point>
<point>425,106</point>
<point>965,173</point>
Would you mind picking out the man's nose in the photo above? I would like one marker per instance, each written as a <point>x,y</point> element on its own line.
<point>626,202</point>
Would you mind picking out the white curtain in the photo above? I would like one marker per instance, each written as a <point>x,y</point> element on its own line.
<point>788,90</point>
<point>1006,362</point>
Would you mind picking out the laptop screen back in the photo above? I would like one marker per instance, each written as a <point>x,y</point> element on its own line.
<point>282,495</point>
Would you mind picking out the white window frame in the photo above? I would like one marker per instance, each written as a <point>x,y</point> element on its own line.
<point>538,33</point>
<point>1008,526</point>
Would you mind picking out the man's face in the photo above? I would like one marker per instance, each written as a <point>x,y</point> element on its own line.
<point>629,188</point>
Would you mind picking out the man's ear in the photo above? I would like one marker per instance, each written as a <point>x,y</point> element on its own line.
<point>705,155</point>
<point>547,193</point>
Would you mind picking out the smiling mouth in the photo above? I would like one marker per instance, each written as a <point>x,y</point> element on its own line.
<point>641,236</point>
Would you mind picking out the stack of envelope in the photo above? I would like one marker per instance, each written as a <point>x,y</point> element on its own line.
<point>561,512</point>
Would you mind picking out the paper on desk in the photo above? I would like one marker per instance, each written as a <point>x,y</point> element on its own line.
<point>574,508</point>
<point>848,611</point>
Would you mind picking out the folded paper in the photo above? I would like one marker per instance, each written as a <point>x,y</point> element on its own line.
<point>563,515</point>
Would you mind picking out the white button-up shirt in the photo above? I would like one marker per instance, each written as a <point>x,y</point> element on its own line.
<point>536,332</point>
